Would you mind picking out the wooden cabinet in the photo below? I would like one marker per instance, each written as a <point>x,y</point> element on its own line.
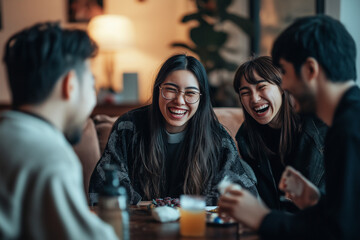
<point>114,110</point>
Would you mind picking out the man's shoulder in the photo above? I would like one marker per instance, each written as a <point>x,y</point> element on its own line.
<point>28,130</point>
<point>346,120</point>
<point>347,124</point>
<point>35,141</point>
<point>347,115</point>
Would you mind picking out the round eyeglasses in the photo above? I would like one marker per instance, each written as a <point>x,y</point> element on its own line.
<point>170,93</point>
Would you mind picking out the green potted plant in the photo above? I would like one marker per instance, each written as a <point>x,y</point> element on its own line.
<point>208,42</point>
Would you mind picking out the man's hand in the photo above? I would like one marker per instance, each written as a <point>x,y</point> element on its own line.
<point>243,207</point>
<point>298,189</point>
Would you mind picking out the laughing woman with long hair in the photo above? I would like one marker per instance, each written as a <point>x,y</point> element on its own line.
<point>175,145</point>
<point>273,135</point>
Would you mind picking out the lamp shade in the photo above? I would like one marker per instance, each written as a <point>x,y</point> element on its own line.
<point>111,32</point>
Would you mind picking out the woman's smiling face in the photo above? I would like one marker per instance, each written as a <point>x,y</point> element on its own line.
<point>261,100</point>
<point>177,112</point>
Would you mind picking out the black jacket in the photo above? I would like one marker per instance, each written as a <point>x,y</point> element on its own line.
<point>337,215</point>
<point>307,158</point>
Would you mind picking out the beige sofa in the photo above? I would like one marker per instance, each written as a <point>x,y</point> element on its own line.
<point>98,128</point>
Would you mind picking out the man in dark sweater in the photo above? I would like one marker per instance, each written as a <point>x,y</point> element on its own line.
<point>317,57</point>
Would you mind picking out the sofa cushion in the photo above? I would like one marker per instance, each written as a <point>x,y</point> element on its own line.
<point>230,118</point>
<point>103,125</point>
<point>88,151</point>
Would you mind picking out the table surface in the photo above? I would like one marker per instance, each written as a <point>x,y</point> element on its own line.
<point>143,226</point>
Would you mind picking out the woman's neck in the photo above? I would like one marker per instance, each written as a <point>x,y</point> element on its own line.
<point>175,137</point>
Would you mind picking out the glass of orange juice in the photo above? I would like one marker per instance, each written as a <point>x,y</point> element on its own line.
<point>193,216</point>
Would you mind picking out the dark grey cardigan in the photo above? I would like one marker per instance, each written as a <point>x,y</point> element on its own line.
<point>307,158</point>
<point>123,143</point>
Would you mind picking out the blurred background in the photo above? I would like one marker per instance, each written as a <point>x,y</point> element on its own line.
<point>136,36</point>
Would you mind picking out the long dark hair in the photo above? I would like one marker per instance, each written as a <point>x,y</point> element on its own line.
<point>201,141</point>
<point>290,126</point>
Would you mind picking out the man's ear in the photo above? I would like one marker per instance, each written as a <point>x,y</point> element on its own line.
<point>311,68</point>
<point>67,85</point>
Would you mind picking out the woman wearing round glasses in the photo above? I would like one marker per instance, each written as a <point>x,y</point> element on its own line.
<point>175,145</point>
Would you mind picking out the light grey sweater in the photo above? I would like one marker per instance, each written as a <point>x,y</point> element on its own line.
<point>41,188</point>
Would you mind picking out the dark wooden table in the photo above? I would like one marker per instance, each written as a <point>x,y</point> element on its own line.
<point>143,227</point>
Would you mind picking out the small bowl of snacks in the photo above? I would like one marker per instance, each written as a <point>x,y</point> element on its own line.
<point>165,209</point>
<point>168,201</point>
<point>213,218</point>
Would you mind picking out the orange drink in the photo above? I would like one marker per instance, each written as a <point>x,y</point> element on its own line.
<point>192,223</point>
<point>193,216</point>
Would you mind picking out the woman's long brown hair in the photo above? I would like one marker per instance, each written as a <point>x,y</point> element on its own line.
<point>201,144</point>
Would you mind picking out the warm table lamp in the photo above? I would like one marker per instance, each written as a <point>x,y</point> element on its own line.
<point>112,33</point>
